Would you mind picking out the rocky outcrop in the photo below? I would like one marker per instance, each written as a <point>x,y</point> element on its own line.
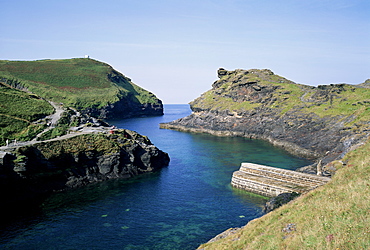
<point>313,122</point>
<point>125,109</point>
<point>278,201</point>
<point>55,165</point>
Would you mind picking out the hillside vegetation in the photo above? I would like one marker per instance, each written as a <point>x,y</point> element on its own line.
<point>334,216</point>
<point>89,86</point>
<point>19,112</point>
<point>79,83</point>
<point>244,90</point>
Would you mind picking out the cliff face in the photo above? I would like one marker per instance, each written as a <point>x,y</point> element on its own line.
<point>134,103</point>
<point>57,165</point>
<point>313,122</point>
<point>125,109</point>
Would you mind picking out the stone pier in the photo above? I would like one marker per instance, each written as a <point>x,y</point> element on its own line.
<point>270,181</point>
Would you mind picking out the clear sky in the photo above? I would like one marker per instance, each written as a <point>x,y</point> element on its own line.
<point>173,48</point>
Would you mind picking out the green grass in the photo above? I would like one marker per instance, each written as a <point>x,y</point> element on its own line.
<point>221,98</point>
<point>215,102</point>
<point>79,83</point>
<point>334,216</point>
<point>341,100</point>
<point>102,143</point>
<point>69,74</point>
<point>17,104</point>
<point>351,101</point>
<point>18,111</point>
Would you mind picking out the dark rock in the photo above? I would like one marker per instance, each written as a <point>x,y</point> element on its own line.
<point>126,109</point>
<point>225,234</point>
<point>56,165</point>
<point>127,106</point>
<point>221,72</point>
<point>278,201</point>
<point>291,227</point>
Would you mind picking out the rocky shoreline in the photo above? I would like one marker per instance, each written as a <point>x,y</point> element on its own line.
<point>76,148</point>
<point>327,143</point>
<point>36,169</point>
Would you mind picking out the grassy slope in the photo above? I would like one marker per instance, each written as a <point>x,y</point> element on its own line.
<point>334,216</point>
<point>79,82</point>
<point>17,112</point>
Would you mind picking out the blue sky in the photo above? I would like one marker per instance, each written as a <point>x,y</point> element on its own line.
<point>174,48</point>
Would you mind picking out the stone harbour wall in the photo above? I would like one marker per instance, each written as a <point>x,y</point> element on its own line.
<point>270,181</point>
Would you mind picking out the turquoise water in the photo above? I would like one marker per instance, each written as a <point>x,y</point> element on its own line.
<point>179,207</point>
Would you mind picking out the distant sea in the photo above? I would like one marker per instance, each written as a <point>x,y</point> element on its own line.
<point>179,207</point>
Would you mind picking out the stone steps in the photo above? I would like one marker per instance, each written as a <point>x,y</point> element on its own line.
<point>270,181</point>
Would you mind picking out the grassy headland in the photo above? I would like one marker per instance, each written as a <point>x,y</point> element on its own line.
<point>79,82</point>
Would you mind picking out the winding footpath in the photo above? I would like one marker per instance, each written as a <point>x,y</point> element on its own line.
<point>77,131</point>
<point>52,119</point>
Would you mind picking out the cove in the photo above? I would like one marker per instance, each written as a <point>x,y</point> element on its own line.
<point>179,207</point>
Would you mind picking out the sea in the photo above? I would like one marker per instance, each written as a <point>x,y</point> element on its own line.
<point>179,207</point>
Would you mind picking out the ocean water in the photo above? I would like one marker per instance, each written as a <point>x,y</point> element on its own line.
<point>179,207</point>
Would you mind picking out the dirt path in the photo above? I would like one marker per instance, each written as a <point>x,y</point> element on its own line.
<point>58,113</point>
<point>86,130</point>
<point>54,118</point>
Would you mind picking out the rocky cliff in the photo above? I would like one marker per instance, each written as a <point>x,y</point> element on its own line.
<point>134,103</point>
<point>314,122</point>
<point>37,169</point>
